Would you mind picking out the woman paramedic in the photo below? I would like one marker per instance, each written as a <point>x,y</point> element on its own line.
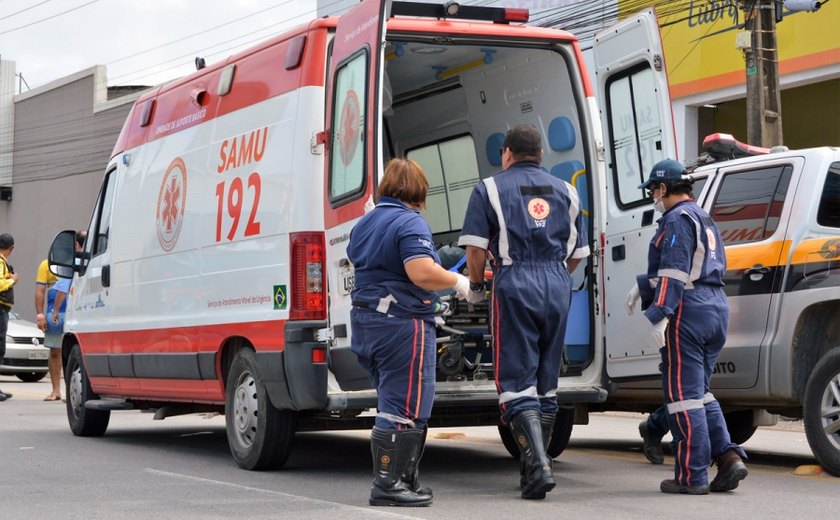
<point>397,271</point>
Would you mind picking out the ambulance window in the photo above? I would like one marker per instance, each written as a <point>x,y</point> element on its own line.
<point>452,170</point>
<point>829,213</point>
<point>103,225</point>
<point>636,136</point>
<point>749,204</point>
<point>347,146</point>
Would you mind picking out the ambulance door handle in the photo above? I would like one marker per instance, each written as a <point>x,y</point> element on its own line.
<point>618,253</point>
<point>757,272</point>
<point>106,276</point>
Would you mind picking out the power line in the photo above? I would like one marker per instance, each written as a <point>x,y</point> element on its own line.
<point>47,18</point>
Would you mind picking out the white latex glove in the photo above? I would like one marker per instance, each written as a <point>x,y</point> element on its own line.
<point>632,299</point>
<point>462,287</point>
<point>477,296</point>
<point>657,332</point>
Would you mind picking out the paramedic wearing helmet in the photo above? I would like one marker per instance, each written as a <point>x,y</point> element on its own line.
<point>682,294</point>
<point>532,226</point>
<point>397,271</point>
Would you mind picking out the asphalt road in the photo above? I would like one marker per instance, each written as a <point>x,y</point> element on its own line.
<point>180,468</point>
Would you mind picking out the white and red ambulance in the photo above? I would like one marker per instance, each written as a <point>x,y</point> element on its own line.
<point>215,277</point>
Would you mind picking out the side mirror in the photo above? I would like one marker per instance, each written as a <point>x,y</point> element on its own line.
<point>62,256</point>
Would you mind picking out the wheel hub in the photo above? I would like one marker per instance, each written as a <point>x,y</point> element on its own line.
<point>245,410</point>
<point>830,411</point>
<point>74,391</point>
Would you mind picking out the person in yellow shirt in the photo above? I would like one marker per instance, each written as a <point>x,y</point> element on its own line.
<point>8,278</point>
<point>44,300</point>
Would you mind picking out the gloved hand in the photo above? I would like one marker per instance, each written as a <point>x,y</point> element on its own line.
<point>657,332</point>
<point>477,296</point>
<point>462,287</point>
<point>632,299</point>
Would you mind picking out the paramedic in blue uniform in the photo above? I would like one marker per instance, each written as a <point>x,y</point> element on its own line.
<point>530,223</point>
<point>397,271</point>
<point>685,305</point>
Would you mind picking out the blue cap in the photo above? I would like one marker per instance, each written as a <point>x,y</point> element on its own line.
<point>664,170</point>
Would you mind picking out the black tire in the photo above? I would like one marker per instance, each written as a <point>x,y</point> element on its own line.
<point>31,377</point>
<point>83,422</point>
<point>822,411</point>
<point>507,439</point>
<point>562,432</point>
<point>260,436</point>
<point>559,436</point>
<point>740,425</point>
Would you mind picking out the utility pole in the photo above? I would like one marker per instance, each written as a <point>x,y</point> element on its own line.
<point>764,108</point>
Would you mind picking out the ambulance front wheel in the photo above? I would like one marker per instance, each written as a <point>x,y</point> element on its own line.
<point>260,436</point>
<point>560,435</point>
<point>84,422</point>
<point>822,411</point>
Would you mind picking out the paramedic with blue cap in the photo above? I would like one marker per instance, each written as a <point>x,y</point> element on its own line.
<point>532,226</point>
<point>682,294</point>
<point>397,271</point>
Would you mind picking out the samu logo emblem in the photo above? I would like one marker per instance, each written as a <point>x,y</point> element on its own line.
<point>170,204</point>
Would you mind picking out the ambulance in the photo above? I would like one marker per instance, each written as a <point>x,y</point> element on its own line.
<point>215,276</point>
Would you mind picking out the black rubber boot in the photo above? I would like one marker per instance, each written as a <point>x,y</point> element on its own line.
<point>537,466</point>
<point>412,469</point>
<point>391,451</point>
<point>547,421</point>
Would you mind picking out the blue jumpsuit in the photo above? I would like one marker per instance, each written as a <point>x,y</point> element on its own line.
<point>684,282</point>
<point>392,320</point>
<point>531,223</point>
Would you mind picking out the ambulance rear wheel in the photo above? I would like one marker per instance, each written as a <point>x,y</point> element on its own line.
<point>559,436</point>
<point>822,412</point>
<point>83,422</point>
<point>562,432</point>
<point>260,436</point>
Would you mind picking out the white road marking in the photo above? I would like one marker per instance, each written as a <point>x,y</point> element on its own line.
<point>373,511</point>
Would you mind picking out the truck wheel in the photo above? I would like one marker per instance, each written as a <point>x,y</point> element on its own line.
<point>31,377</point>
<point>559,436</point>
<point>822,412</point>
<point>83,422</point>
<point>260,436</point>
<point>740,425</point>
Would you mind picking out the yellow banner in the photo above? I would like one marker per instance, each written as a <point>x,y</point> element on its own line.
<point>699,42</point>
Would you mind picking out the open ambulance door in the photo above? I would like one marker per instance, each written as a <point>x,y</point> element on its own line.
<point>638,128</point>
<point>353,161</point>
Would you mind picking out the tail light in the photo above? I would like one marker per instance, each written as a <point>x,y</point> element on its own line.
<point>308,266</point>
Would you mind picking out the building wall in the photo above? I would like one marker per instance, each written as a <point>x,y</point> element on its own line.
<point>64,133</point>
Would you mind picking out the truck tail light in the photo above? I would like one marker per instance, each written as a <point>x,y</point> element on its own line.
<point>308,266</point>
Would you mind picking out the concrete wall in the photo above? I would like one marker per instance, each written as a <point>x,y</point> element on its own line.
<point>63,137</point>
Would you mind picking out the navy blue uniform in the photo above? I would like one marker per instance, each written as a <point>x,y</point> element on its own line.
<point>531,223</point>
<point>684,282</point>
<point>392,320</point>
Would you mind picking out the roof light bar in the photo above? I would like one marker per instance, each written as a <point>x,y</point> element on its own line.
<point>462,12</point>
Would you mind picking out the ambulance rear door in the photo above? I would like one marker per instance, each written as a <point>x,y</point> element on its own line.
<point>353,162</point>
<point>635,107</point>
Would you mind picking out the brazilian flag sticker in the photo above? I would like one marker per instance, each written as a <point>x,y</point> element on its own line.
<point>279,297</point>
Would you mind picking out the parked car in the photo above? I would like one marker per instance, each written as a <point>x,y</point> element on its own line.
<point>26,356</point>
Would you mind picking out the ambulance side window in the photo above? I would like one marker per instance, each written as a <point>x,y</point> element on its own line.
<point>749,204</point>
<point>101,226</point>
<point>635,134</point>
<point>829,212</point>
<point>452,170</point>
<point>347,139</point>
